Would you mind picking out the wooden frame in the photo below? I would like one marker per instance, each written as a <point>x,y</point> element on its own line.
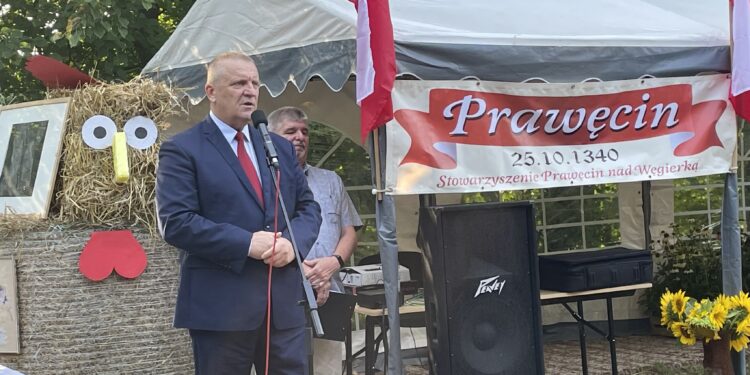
<point>10,339</point>
<point>31,136</point>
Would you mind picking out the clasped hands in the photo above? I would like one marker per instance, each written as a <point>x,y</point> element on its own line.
<point>319,272</point>
<point>261,248</point>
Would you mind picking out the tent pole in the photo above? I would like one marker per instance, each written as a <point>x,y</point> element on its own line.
<point>376,157</point>
<point>426,200</point>
<point>646,203</point>
<point>731,252</point>
<point>385,216</point>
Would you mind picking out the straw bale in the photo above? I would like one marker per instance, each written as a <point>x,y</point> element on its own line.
<point>86,190</point>
<point>70,325</point>
<point>17,224</point>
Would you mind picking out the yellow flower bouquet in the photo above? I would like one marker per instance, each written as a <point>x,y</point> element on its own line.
<point>723,317</point>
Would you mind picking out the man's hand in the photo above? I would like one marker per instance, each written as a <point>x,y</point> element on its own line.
<point>283,255</point>
<point>322,293</point>
<point>261,242</point>
<point>320,270</point>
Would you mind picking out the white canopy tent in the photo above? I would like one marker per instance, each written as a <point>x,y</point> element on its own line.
<point>302,41</point>
<point>311,44</point>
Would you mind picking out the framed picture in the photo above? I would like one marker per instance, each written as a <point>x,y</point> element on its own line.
<point>9,335</point>
<point>31,137</point>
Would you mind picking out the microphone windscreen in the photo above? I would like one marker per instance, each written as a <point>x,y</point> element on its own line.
<point>258,117</point>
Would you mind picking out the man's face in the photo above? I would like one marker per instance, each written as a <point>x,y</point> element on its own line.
<point>296,132</point>
<point>234,92</point>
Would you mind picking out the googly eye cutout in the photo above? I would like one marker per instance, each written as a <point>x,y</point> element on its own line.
<point>98,131</point>
<point>141,132</point>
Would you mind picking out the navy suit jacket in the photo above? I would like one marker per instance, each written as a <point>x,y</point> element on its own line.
<point>208,209</point>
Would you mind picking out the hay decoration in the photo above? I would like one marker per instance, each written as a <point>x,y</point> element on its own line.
<point>87,191</point>
<point>70,325</point>
<point>12,224</point>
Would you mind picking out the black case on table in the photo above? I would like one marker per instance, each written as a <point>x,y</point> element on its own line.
<point>597,269</point>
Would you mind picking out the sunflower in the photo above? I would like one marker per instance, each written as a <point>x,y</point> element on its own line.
<point>742,296</point>
<point>724,300</point>
<point>717,315</point>
<point>665,301</point>
<point>679,302</point>
<point>683,332</point>
<point>691,320</point>
<point>743,328</point>
<point>739,343</point>
<point>742,302</point>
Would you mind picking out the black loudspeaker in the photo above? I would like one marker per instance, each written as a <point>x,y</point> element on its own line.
<point>481,289</point>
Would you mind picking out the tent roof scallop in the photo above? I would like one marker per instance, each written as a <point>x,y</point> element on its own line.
<point>296,40</point>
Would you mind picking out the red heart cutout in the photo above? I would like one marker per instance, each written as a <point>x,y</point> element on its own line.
<point>105,251</point>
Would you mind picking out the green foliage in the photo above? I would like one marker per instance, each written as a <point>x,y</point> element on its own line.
<point>112,40</point>
<point>559,216</point>
<point>689,259</point>
<point>329,149</point>
<point>349,160</point>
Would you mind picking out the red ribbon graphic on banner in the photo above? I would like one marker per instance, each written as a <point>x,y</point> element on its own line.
<point>492,119</point>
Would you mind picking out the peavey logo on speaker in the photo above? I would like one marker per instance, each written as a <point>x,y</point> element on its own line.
<point>490,285</point>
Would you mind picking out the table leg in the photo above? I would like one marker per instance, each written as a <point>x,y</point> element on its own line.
<point>370,356</point>
<point>582,338</point>
<point>611,336</point>
<point>348,339</point>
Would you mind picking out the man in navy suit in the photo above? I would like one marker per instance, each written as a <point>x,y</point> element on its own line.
<point>216,201</point>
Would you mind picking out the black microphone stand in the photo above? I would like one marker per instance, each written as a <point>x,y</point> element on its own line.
<point>272,158</point>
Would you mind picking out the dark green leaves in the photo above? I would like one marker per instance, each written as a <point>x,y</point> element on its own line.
<point>111,40</point>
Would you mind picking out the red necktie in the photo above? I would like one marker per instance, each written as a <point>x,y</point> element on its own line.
<point>248,166</point>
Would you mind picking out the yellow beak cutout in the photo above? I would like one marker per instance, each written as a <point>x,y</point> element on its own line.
<point>120,157</point>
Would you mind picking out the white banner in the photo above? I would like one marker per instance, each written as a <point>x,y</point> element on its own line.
<point>469,136</point>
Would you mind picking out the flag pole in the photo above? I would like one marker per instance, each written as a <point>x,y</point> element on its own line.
<point>731,253</point>
<point>733,166</point>
<point>376,156</point>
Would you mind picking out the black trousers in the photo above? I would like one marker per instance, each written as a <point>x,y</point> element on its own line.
<point>235,352</point>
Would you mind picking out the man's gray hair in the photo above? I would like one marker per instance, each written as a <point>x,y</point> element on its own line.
<point>282,114</point>
<point>214,69</point>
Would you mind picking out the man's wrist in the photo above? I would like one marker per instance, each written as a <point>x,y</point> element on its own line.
<point>340,260</point>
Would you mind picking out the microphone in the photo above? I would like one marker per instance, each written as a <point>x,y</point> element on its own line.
<point>261,123</point>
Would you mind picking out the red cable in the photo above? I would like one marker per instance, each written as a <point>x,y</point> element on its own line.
<point>270,268</point>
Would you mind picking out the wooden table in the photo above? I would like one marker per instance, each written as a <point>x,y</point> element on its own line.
<point>549,297</point>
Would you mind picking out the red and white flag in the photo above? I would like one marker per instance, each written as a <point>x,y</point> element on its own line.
<point>740,93</point>
<point>376,63</point>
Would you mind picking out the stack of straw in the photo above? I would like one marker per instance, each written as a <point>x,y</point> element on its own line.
<point>86,190</point>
